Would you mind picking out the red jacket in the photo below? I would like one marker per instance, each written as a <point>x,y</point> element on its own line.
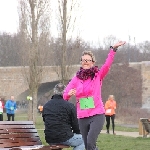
<point>1,106</point>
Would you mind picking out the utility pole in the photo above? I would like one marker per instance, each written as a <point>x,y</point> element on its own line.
<point>135,54</point>
<point>129,50</point>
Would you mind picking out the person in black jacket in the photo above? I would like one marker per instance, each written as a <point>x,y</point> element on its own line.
<point>60,119</point>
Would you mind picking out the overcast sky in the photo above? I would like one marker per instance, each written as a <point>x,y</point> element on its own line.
<point>100,18</point>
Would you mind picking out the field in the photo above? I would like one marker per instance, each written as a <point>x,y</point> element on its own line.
<point>105,141</point>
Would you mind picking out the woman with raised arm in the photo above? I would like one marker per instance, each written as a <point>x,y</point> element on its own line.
<point>86,86</point>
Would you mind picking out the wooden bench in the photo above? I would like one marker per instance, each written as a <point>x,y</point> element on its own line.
<point>146,126</point>
<point>17,135</point>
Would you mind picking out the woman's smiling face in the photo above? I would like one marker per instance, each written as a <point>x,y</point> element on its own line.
<point>87,62</point>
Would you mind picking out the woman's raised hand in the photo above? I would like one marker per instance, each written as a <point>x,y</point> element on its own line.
<point>120,43</point>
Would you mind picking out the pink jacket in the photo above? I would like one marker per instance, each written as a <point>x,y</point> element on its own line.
<point>90,88</point>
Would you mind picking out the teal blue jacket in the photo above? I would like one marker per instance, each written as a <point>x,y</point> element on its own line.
<point>10,107</point>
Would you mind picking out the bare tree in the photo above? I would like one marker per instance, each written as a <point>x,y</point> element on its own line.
<point>9,46</point>
<point>66,22</point>
<point>145,50</point>
<point>108,41</point>
<point>34,30</point>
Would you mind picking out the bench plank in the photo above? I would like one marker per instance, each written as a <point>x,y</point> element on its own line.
<point>14,126</point>
<point>17,134</point>
<point>16,122</point>
<point>10,131</point>
<point>52,147</point>
<point>23,135</point>
<point>17,144</point>
<point>35,139</point>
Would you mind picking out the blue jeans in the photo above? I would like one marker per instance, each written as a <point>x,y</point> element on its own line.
<point>76,142</point>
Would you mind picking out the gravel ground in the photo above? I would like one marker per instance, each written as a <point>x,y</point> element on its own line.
<point>131,134</point>
<point>129,125</point>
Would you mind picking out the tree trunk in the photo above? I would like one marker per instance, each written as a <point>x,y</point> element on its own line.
<point>34,105</point>
<point>64,41</point>
<point>30,110</point>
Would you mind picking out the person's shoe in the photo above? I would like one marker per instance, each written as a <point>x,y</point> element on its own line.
<point>114,133</point>
<point>107,132</point>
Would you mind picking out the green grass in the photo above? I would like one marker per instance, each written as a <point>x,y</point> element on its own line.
<point>125,129</point>
<point>105,141</point>
<point>115,142</point>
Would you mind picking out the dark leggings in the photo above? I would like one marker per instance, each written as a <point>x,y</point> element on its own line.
<point>1,117</point>
<point>108,122</point>
<point>9,116</point>
<point>90,129</point>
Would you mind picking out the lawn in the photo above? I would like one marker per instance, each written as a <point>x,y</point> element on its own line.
<point>105,141</point>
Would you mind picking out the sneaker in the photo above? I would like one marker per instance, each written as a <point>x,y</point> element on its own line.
<point>114,133</point>
<point>107,132</point>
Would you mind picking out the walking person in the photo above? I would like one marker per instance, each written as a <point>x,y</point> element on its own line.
<point>86,86</point>
<point>110,107</point>
<point>10,108</point>
<point>61,123</point>
<point>40,109</point>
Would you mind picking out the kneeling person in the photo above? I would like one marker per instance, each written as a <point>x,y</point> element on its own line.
<point>61,124</point>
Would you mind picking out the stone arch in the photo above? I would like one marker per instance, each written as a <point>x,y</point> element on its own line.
<point>44,88</point>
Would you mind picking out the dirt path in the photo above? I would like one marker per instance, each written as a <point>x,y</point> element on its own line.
<point>131,134</point>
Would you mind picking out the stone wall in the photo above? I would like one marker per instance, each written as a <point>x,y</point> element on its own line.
<point>13,79</point>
